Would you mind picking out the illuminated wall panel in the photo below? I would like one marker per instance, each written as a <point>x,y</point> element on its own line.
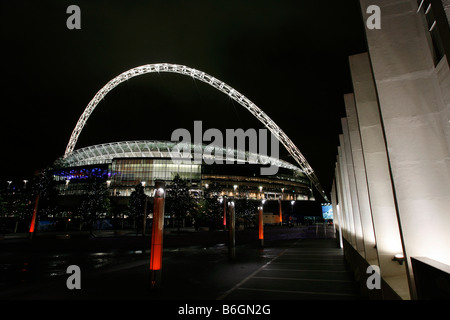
<point>353,192</point>
<point>384,214</point>
<point>348,214</point>
<point>411,103</point>
<point>340,198</point>
<point>361,180</point>
<point>336,210</point>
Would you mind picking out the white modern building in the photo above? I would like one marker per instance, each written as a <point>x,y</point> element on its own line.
<point>392,178</point>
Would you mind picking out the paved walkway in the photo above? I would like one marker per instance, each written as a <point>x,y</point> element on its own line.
<point>308,269</point>
<point>288,268</point>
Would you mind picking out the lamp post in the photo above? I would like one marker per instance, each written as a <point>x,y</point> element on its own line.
<point>292,212</point>
<point>280,211</point>
<point>223,200</point>
<point>33,218</point>
<point>231,231</point>
<point>25,184</point>
<point>157,236</point>
<point>144,218</point>
<point>261,224</point>
<point>9,184</point>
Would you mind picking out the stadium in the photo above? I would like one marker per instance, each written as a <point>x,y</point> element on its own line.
<point>123,165</point>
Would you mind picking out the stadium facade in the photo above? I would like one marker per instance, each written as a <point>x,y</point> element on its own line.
<point>123,165</point>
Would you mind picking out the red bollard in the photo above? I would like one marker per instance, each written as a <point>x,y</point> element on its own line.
<point>33,219</point>
<point>224,213</point>
<point>157,236</point>
<point>231,231</point>
<point>281,212</point>
<point>261,226</point>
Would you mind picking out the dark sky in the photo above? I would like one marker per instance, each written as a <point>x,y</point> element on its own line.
<point>289,57</point>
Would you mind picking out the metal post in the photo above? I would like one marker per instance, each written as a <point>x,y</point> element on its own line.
<point>317,226</point>
<point>224,200</point>
<point>157,236</point>
<point>281,212</point>
<point>144,218</point>
<point>231,231</point>
<point>33,219</point>
<point>261,226</point>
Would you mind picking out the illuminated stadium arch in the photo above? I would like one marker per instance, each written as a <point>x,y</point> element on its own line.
<point>219,85</point>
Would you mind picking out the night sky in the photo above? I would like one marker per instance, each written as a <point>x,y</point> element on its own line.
<point>289,57</point>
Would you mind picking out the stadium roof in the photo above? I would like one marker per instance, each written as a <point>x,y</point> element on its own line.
<point>105,153</point>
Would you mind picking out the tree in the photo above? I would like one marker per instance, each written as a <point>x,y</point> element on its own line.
<point>213,206</point>
<point>200,213</point>
<point>96,203</point>
<point>137,208</point>
<point>2,214</point>
<point>44,187</point>
<point>21,207</point>
<point>2,207</point>
<point>246,210</point>
<point>179,201</point>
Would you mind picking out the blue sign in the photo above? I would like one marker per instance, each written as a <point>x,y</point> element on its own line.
<point>327,212</point>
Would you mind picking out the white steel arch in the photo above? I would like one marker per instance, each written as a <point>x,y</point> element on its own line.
<point>219,85</point>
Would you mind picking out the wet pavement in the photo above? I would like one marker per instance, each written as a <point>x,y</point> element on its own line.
<point>296,263</point>
<point>306,270</point>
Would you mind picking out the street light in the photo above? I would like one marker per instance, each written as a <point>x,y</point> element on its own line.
<point>25,182</point>
<point>235,188</point>
<point>231,231</point>
<point>292,210</point>
<point>222,200</point>
<point>261,223</point>
<point>9,184</point>
<point>157,236</point>
<point>280,211</point>
<point>399,257</point>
